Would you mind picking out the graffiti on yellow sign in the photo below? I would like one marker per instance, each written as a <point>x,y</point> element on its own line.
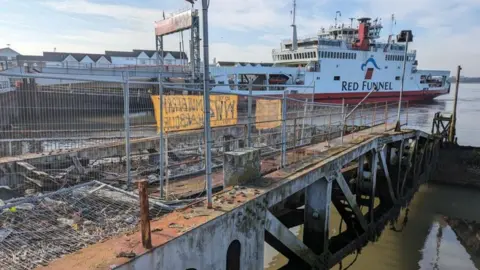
<point>268,113</point>
<point>186,112</point>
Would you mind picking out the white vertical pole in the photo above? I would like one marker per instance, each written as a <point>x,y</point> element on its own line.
<point>397,126</point>
<point>160,95</point>
<point>126,115</point>
<point>206,100</point>
<point>284,130</point>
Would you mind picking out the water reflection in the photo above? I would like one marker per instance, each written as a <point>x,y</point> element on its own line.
<point>443,250</point>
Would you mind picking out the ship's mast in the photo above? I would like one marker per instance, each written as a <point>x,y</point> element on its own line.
<point>391,28</point>
<point>294,26</point>
<point>336,18</point>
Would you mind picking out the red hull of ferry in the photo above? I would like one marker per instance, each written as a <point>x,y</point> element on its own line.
<point>390,96</point>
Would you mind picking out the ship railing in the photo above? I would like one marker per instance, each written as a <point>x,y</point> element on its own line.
<point>301,38</point>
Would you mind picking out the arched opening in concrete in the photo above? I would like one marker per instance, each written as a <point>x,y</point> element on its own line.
<point>233,255</point>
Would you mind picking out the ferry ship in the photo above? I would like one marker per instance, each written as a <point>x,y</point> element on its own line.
<point>339,64</point>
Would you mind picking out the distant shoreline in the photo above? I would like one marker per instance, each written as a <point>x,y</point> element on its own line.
<point>469,82</point>
<point>465,80</point>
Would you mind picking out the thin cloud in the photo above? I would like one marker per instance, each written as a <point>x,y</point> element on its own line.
<point>250,29</point>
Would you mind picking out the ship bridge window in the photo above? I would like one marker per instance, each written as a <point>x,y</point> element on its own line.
<point>397,78</point>
<point>336,78</point>
<point>335,43</point>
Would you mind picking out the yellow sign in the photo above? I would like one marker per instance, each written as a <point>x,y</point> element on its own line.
<point>182,112</point>
<point>268,113</point>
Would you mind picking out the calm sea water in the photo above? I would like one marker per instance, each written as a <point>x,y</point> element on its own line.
<point>426,242</point>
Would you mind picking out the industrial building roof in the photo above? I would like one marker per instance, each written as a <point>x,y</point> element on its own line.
<point>61,56</point>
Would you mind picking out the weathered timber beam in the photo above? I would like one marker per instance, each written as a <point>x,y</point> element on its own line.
<point>383,164</point>
<point>287,238</point>
<point>420,164</point>
<point>400,155</point>
<point>374,169</point>
<point>361,164</point>
<point>429,149</point>
<point>317,215</point>
<point>351,200</point>
<point>409,166</point>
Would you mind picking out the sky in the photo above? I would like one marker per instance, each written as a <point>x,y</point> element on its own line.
<point>445,31</point>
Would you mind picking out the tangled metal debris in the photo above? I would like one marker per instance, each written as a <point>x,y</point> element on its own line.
<point>37,230</point>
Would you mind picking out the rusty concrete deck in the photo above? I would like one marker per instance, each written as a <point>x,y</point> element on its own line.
<point>172,226</point>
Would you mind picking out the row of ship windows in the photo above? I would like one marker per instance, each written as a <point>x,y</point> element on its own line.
<point>389,57</point>
<point>304,55</point>
<point>339,55</point>
<point>284,57</point>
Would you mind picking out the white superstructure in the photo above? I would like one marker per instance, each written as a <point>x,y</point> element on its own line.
<point>343,62</point>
